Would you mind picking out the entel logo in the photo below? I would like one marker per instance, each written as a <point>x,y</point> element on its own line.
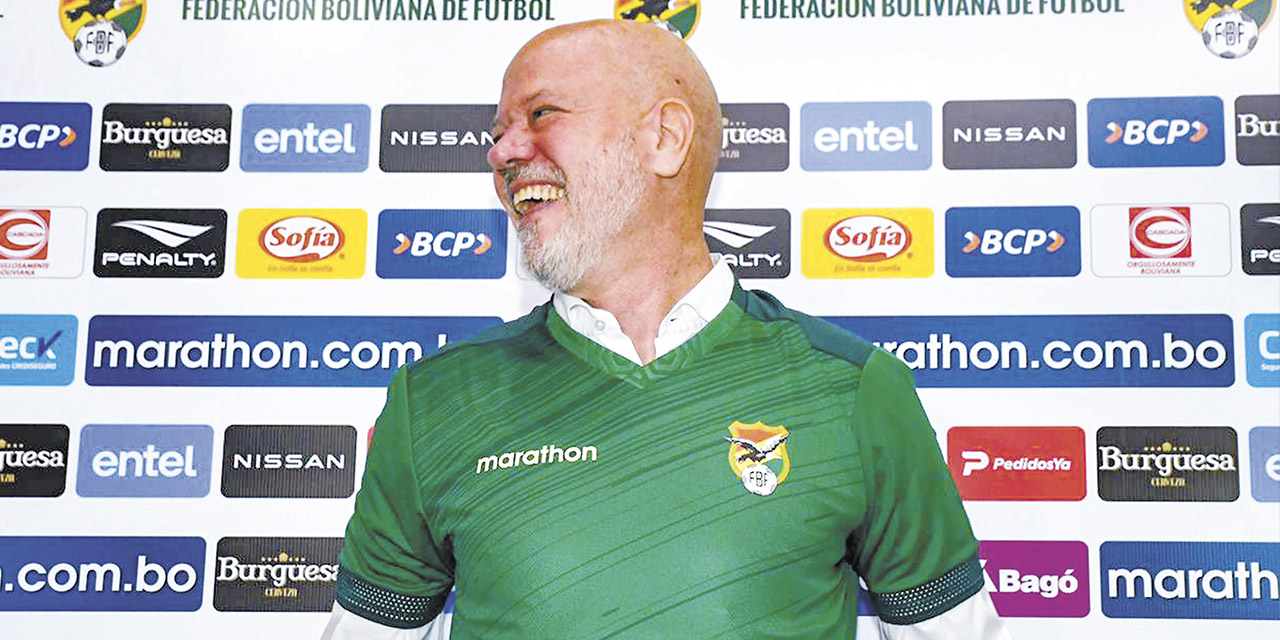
<point>1160,232</point>
<point>307,140</point>
<point>443,244</point>
<point>24,235</point>
<point>867,238</point>
<point>1013,242</point>
<point>302,239</point>
<point>1158,132</point>
<point>35,136</point>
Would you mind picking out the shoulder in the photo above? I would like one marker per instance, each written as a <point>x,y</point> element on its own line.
<point>822,336</point>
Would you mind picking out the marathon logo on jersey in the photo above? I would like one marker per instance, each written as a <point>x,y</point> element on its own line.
<point>305,138</point>
<point>160,243</point>
<point>101,573</point>
<point>45,136</point>
<point>37,350</point>
<point>45,242</point>
<point>754,137</point>
<point>1161,240</point>
<point>1035,579</point>
<point>1264,443</point>
<point>165,137</point>
<point>33,460</point>
<point>301,243</point>
<point>755,243</point>
<point>1005,242</point>
<point>1259,239</point>
<point>1258,130</point>
<point>289,462</point>
<point>1262,349</point>
<point>1009,134</point>
<point>1201,580</point>
<point>867,243</point>
<point>1168,464</point>
<point>1156,132</point>
<point>439,138</point>
<point>275,574</point>
<point>1017,463</point>
<point>446,243</point>
<point>145,461</point>
<point>866,136</point>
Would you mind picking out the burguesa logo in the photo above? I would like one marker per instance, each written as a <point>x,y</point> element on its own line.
<point>24,235</point>
<point>1160,232</point>
<point>302,239</point>
<point>867,238</point>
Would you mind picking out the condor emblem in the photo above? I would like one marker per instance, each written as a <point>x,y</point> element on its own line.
<point>677,16</point>
<point>753,450</point>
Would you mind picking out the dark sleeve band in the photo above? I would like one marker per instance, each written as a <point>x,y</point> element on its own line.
<point>932,598</point>
<point>385,607</point>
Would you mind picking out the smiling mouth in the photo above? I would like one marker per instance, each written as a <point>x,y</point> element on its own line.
<point>528,197</point>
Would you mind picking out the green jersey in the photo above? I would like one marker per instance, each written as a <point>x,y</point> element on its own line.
<point>737,486</point>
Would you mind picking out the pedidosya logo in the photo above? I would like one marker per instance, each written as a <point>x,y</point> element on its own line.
<point>41,242</point>
<point>45,136</point>
<point>301,243</point>
<point>985,242</point>
<point>100,29</point>
<point>677,16</point>
<point>275,574</point>
<point>867,243</point>
<point>754,137</point>
<point>37,350</point>
<point>1181,464</point>
<point>305,137</point>
<point>165,137</point>
<point>160,243</point>
<point>448,243</point>
<point>1156,132</point>
<point>1214,580</point>
<point>33,460</point>
<point>289,461</point>
<point>755,243</point>
<point>1258,130</point>
<point>1229,28</point>
<point>145,461</point>
<point>443,138</point>
<point>1017,463</point>
<point>1033,579</point>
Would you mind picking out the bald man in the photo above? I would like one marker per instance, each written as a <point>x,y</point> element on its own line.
<point>655,452</point>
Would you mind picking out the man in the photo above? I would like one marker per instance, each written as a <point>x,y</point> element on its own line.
<point>655,453</point>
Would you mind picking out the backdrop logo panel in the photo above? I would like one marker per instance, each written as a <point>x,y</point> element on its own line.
<point>289,462</point>
<point>679,16</point>
<point>1056,351</point>
<point>45,136</point>
<point>301,243</point>
<point>1259,239</point>
<point>165,137</point>
<point>1017,463</point>
<point>144,461</point>
<point>985,242</point>
<point>1034,579</point>
<point>866,136</point>
<point>37,350</point>
<point>1258,130</point>
<point>262,351</point>
<point>305,137</point>
<point>1229,28</point>
<point>441,138</point>
<point>1214,580</point>
<point>867,243</point>
<point>100,29</point>
<point>1182,464</point>
<point>33,460</point>
<point>447,243</point>
<point>1009,134</point>
<point>755,137</point>
<point>275,574</point>
<point>160,243</point>
<point>1262,349</point>
<point>1156,132</point>
<point>756,243</point>
<point>42,243</point>
<point>1264,445</point>
<point>1161,240</point>
<point>101,574</point>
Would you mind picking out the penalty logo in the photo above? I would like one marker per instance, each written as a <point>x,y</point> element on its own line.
<point>1229,28</point>
<point>100,29</point>
<point>677,16</point>
<point>758,456</point>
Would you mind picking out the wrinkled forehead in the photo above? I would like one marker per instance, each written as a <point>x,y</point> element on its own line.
<point>581,66</point>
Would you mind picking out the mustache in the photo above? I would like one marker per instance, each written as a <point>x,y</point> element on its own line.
<point>531,172</point>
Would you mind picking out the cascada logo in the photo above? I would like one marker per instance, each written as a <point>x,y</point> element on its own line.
<point>1258,130</point>
<point>145,461</point>
<point>1009,134</point>
<point>288,462</point>
<point>160,243</point>
<point>448,243</point>
<point>1229,28</point>
<point>1003,242</point>
<point>305,137</point>
<point>33,460</point>
<point>755,243</point>
<point>1183,464</point>
<point>867,243</point>
<point>100,29</point>
<point>1161,240</point>
<point>1156,132</point>
<point>1262,349</point>
<point>442,138</point>
<point>1036,579</point>
<point>866,136</point>
<point>1260,238</point>
<point>1264,443</point>
<point>37,350</point>
<point>165,137</point>
<point>45,136</point>
<point>1203,580</point>
<point>42,242</point>
<point>1160,232</point>
<point>1017,463</point>
<point>754,137</point>
<point>301,243</point>
<point>275,574</point>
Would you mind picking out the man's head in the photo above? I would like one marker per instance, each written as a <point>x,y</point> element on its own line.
<point>607,136</point>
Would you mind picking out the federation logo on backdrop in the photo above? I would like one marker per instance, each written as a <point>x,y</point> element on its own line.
<point>100,29</point>
<point>754,137</point>
<point>33,460</point>
<point>1229,28</point>
<point>1198,580</point>
<point>45,136</point>
<point>453,138</point>
<point>1264,445</point>
<point>866,136</point>
<point>677,16</point>
<point>758,455</point>
<point>442,244</point>
<point>986,242</point>
<point>1162,464</point>
<point>1161,240</point>
<point>1258,130</point>
<point>305,138</point>
<point>275,574</point>
<point>755,243</point>
<point>867,243</point>
<point>1035,579</point>
<point>1262,349</point>
<point>165,137</point>
<point>289,461</point>
<point>37,350</point>
<point>145,461</point>
<point>301,243</point>
<point>1156,132</point>
<point>1017,463</point>
<point>160,243</point>
<point>1009,134</point>
<point>41,242</point>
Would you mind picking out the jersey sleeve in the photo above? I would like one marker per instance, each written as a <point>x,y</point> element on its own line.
<point>914,549</point>
<point>392,570</point>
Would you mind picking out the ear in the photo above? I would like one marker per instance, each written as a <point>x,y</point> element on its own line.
<point>673,125</point>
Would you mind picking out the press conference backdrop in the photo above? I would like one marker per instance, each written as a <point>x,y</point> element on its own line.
<point>223,224</point>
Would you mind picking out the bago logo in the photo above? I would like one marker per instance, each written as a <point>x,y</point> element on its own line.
<point>439,138</point>
<point>1200,580</point>
<point>866,136</point>
<point>1262,349</point>
<point>1264,443</point>
<point>289,462</point>
<point>305,138</point>
<point>756,243</point>
<point>165,137</point>
<point>754,137</point>
<point>33,460</point>
<point>1017,463</point>
<point>1161,240</point>
<point>1259,239</point>
<point>45,136</point>
<point>447,243</point>
<point>1009,134</point>
<point>41,242</point>
<point>37,350</point>
<point>867,243</point>
<point>275,574</point>
<point>1179,464</point>
<point>145,461</point>
<point>160,243</point>
<point>301,243</point>
<point>1036,579</point>
<point>987,242</point>
<point>1258,130</point>
<point>1156,132</point>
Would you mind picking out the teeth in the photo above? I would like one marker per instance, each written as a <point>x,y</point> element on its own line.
<point>543,192</point>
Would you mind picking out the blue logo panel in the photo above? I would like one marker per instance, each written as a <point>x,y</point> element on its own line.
<point>1264,453</point>
<point>264,351</point>
<point>305,138</point>
<point>45,136</point>
<point>1262,349</point>
<point>450,243</point>
<point>986,242</point>
<point>170,461</point>
<point>1056,351</point>
<point>101,574</point>
<point>37,350</point>
<point>866,136</point>
<point>1212,580</point>
<point>1156,132</point>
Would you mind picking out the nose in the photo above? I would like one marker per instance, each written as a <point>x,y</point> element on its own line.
<point>513,147</point>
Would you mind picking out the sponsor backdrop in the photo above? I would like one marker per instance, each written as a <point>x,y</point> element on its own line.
<point>1070,231</point>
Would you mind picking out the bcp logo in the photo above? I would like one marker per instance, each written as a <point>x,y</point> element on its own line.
<point>1216,580</point>
<point>301,243</point>
<point>985,242</point>
<point>1264,443</point>
<point>37,350</point>
<point>1035,579</point>
<point>45,242</point>
<point>146,461</point>
<point>305,137</point>
<point>442,244</point>
<point>1156,132</point>
<point>1017,463</point>
<point>45,136</point>
<point>867,243</point>
<point>1161,240</point>
<point>1262,349</point>
<point>866,136</point>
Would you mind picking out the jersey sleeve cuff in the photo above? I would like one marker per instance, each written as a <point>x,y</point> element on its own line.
<point>933,598</point>
<point>383,606</point>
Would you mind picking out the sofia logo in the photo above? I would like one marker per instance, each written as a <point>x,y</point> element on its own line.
<point>1160,232</point>
<point>302,239</point>
<point>867,238</point>
<point>24,235</point>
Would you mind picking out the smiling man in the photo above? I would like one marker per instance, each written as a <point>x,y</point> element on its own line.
<point>655,452</point>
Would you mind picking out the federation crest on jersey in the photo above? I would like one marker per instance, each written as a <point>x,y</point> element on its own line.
<point>758,455</point>
<point>1229,28</point>
<point>677,16</point>
<point>100,29</point>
